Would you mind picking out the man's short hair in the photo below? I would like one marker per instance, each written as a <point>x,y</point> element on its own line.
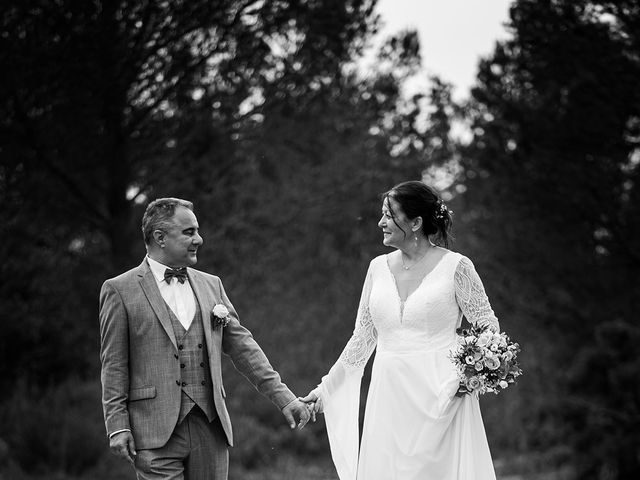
<point>158,214</point>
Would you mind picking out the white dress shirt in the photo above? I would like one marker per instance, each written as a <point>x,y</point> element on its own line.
<point>179,296</point>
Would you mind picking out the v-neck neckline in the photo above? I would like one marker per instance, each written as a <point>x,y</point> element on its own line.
<point>395,281</point>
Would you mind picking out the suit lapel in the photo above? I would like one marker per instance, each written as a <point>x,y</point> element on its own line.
<point>150,287</point>
<point>206,300</point>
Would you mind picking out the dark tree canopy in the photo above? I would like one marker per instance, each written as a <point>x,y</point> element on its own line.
<point>259,113</point>
<point>554,169</point>
<point>255,110</point>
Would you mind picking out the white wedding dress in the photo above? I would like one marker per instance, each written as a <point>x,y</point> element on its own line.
<point>415,428</point>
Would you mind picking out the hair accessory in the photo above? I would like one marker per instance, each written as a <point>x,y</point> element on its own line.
<point>442,210</point>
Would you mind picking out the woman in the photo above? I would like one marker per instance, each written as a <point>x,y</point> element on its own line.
<point>415,427</point>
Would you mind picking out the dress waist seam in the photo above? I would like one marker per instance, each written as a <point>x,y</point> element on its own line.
<point>412,351</point>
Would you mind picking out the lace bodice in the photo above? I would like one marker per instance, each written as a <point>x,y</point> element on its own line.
<point>426,320</point>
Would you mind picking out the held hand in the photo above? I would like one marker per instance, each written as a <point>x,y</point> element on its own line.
<point>314,400</point>
<point>296,411</point>
<point>122,445</point>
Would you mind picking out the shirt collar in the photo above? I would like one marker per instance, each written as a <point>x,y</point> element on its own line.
<point>157,269</point>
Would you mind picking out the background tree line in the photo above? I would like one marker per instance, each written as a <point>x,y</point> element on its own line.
<point>258,112</point>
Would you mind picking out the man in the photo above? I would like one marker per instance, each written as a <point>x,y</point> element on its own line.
<point>161,348</point>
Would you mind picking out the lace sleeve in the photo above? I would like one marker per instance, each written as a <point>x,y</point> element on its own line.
<point>471,297</point>
<point>339,391</point>
<point>360,346</point>
<point>362,343</point>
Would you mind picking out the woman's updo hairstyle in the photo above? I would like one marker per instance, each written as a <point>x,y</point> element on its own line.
<point>419,200</point>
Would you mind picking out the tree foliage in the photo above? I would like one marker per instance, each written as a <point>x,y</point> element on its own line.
<point>258,113</point>
<point>554,170</point>
<point>254,110</point>
<point>107,103</point>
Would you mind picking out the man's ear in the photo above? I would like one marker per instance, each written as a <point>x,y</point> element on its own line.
<point>158,238</point>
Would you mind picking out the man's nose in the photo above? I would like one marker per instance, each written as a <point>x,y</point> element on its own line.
<point>197,239</point>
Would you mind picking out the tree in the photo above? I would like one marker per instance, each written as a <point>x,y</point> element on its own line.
<point>103,100</point>
<point>554,166</point>
<point>255,110</point>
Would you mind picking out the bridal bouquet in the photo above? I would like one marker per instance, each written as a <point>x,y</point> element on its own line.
<point>486,361</point>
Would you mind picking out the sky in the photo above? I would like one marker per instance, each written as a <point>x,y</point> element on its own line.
<point>454,34</point>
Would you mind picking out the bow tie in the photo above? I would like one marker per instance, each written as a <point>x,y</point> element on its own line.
<point>180,274</point>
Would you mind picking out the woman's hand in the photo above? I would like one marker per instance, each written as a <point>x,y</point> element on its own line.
<point>314,401</point>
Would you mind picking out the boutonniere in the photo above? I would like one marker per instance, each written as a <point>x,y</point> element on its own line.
<point>220,316</point>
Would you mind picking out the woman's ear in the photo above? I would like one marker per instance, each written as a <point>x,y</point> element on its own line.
<point>416,224</point>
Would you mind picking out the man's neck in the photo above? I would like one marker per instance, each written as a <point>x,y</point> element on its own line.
<point>162,261</point>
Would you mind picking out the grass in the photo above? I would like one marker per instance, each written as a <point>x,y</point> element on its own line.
<point>290,467</point>
<point>59,435</point>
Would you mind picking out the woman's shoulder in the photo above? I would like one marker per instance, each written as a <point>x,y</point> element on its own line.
<point>450,255</point>
<point>445,255</point>
<point>459,262</point>
<point>379,260</point>
<point>454,259</point>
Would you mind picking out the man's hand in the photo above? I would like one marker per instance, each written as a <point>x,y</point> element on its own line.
<point>296,411</point>
<point>122,445</point>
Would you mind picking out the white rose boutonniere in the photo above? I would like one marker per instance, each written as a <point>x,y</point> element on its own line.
<point>220,316</point>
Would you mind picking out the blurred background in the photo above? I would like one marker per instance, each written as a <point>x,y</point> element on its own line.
<point>283,121</point>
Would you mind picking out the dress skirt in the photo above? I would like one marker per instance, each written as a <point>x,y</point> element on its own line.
<point>415,428</point>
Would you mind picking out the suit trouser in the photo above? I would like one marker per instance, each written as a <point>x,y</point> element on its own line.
<point>196,450</point>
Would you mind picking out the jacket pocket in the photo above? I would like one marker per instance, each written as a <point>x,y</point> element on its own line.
<point>224,394</point>
<point>142,393</point>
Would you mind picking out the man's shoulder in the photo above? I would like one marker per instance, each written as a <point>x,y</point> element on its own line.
<point>125,277</point>
<point>204,275</point>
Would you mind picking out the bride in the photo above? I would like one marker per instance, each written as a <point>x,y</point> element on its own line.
<point>413,299</point>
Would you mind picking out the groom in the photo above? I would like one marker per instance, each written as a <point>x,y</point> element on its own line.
<point>161,348</point>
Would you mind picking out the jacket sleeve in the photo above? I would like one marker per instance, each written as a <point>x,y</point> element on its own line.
<point>114,357</point>
<point>249,359</point>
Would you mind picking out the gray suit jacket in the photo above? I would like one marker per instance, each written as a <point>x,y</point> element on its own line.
<point>140,366</point>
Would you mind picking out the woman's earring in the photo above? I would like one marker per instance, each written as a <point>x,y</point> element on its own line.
<point>415,238</point>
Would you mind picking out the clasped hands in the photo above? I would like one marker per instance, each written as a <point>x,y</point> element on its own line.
<point>303,409</point>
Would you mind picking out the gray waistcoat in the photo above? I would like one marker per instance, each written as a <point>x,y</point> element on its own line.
<point>194,366</point>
